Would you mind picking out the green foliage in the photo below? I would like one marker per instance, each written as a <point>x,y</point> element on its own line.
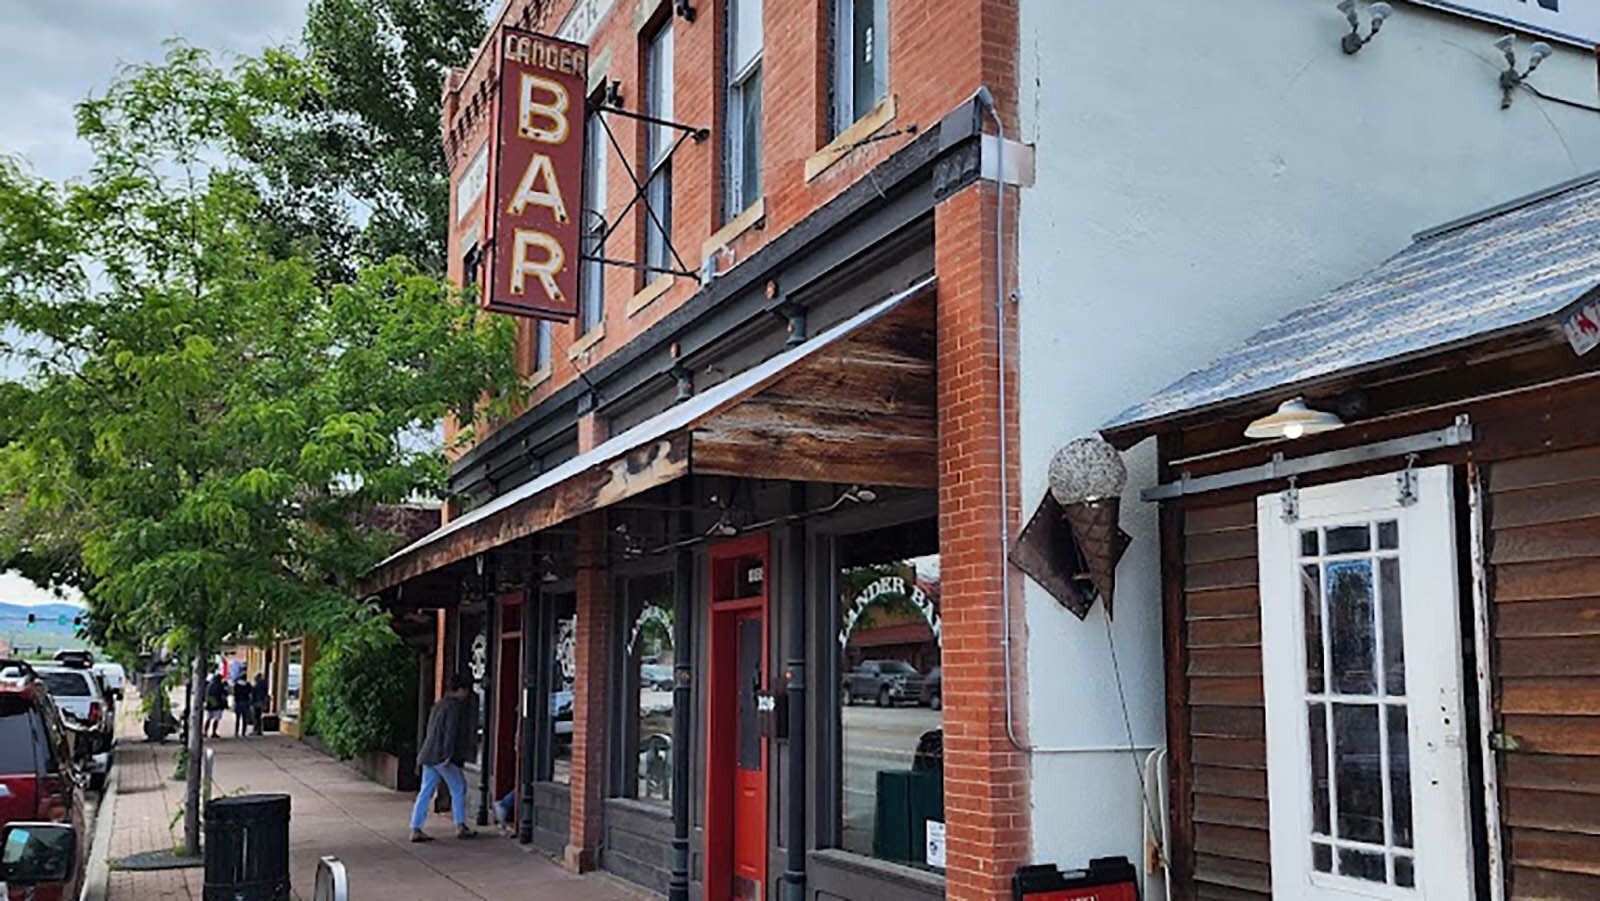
<point>206,424</point>
<point>366,697</point>
<point>351,153</point>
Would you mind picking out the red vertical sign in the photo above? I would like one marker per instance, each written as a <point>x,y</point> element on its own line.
<point>538,176</point>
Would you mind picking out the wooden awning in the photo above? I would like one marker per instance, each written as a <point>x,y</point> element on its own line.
<point>854,404</point>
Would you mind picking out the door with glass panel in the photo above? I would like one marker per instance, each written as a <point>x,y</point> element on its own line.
<point>1361,647</point>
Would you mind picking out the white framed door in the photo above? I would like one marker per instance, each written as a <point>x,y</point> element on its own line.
<point>1361,656</point>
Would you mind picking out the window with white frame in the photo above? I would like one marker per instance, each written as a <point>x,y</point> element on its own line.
<point>592,293</point>
<point>743,93</point>
<point>860,59</point>
<point>659,141</point>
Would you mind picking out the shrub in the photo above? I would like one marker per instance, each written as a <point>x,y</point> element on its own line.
<point>365,698</point>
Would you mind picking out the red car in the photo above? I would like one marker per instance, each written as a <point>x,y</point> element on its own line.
<point>38,780</point>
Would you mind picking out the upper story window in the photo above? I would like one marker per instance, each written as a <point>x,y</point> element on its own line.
<point>860,59</point>
<point>592,292</point>
<point>659,141</point>
<point>540,345</point>
<point>743,93</point>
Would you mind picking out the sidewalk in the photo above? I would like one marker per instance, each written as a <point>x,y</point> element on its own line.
<point>334,811</point>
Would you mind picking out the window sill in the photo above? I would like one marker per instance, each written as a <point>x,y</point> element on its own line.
<point>657,810</point>
<point>539,376</point>
<point>648,294</point>
<point>929,880</point>
<point>583,344</point>
<point>752,217</point>
<point>839,147</point>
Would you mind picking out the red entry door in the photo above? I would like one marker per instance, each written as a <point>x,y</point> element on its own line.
<point>750,766</point>
<point>508,694</point>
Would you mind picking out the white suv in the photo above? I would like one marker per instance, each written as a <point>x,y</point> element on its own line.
<point>87,711</point>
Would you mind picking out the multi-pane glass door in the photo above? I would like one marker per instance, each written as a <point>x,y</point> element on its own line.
<point>1361,646</point>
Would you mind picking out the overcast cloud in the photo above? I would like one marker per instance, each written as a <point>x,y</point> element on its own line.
<point>53,53</point>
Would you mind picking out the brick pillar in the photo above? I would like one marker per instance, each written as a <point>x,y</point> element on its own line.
<point>589,697</point>
<point>986,788</point>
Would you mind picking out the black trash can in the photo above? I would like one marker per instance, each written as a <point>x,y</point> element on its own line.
<point>247,848</point>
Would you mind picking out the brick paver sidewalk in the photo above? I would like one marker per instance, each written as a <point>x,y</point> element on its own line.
<point>334,811</point>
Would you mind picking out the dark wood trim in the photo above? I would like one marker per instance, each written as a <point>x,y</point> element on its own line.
<point>1175,642</point>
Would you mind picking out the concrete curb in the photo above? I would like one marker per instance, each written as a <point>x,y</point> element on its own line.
<point>97,876</point>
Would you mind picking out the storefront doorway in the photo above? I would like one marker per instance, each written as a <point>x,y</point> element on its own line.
<point>508,694</point>
<point>1361,647</point>
<point>736,759</point>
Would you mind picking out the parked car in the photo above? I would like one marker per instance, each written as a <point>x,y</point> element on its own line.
<point>39,779</point>
<point>115,676</point>
<point>932,689</point>
<point>88,714</point>
<point>561,713</point>
<point>657,676</point>
<point>886,682</point>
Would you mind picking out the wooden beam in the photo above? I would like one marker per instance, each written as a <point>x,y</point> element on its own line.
<point>901,460</point>
<point>629,474</point>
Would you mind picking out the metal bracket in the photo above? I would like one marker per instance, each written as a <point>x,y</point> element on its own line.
<point>1460,433</point>
<point>686,133</point>
<point>1504,741</point>
<point>1290,499</point>
<point>1406,482</point>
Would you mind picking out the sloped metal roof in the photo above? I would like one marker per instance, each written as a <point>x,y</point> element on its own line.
<point>1503,269</point>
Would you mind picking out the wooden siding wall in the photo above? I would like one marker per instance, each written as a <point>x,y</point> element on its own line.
<point>1544,555</point>
<point>1227,719</point>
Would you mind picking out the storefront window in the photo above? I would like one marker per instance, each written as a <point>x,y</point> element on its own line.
<point>563,675</point>
<point>890,696</point>
<point>649,661</point>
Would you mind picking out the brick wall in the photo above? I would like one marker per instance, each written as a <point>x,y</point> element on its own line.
<point>589,697</point>
<point>938,55</point>
<point>986,777</point>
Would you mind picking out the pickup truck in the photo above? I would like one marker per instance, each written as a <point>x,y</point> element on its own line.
<point>87,712</point>
<point>885,682</point>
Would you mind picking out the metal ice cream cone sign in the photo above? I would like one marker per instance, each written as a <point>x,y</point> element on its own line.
<point>1086,478</point>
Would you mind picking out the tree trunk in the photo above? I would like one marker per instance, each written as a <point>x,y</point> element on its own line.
<point>191,804</point>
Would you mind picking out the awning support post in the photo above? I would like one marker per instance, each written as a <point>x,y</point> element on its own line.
<point>794,605</point>
<point>683,594</point>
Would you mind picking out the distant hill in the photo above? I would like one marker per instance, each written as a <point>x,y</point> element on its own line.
<point>47,630</point>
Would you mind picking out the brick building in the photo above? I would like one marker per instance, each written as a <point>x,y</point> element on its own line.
<point>770,434</point>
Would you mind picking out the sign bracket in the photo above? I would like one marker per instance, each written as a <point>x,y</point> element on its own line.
<point>640,197</point>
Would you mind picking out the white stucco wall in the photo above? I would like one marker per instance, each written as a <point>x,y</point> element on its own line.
<point>1203,168</point>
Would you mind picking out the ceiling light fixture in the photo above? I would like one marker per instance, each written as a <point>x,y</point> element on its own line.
<point>1293,419</point>
<point>1353,41</point>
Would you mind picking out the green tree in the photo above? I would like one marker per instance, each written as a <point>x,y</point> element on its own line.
<point>351,155</point>
<point>206,426</point>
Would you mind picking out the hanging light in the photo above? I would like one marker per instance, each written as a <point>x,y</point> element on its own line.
<point>1293,419</point>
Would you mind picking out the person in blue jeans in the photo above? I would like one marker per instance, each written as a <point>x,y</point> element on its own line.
<point>447,744</point>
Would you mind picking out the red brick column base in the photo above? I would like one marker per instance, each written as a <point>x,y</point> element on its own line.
<point>985,776</point>
<point>589,698</point>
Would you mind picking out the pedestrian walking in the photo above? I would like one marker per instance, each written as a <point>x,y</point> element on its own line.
<point>258,700</point>
<point>446,745</point>
<point>216,701</point>
<point>241,706</point>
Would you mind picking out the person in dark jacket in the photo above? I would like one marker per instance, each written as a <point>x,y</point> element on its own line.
<point>241,706</point>
<point>258,700</point>
<point>216,702</point>
<point>446,745</point>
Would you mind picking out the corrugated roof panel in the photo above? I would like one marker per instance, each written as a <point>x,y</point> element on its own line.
<point>1503,271</point>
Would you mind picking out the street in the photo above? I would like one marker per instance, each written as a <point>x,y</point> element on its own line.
<point>876,739</point>
<point>335,811</point>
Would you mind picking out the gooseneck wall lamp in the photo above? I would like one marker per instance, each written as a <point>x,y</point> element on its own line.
<point>1511,79</point>
<point>1353,40</point>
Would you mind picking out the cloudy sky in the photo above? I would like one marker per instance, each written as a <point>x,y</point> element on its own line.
<point>53,53</point>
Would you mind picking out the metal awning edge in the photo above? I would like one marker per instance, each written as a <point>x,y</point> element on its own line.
<point>663,425</point>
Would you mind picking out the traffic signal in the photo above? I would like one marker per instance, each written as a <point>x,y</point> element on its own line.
<point>33,621</point>
<point>61,620</point>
